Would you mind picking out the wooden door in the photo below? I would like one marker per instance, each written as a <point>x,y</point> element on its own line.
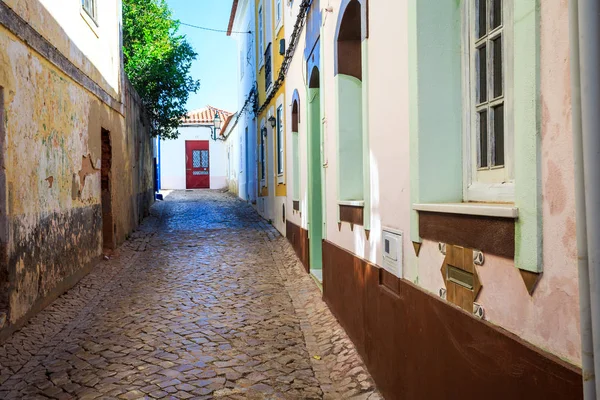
<point>197,174</point>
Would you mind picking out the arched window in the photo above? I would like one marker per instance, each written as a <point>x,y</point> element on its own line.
<point>349,100</point>
<point>296,150</point>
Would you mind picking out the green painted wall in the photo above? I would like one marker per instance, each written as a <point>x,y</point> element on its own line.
<point>366,136</point>
<point>435,88</point>
<point>527,133</point>
<point>436,115</point>
<point>296,165</point>
<point>315,194</point>
<point>349,137</point>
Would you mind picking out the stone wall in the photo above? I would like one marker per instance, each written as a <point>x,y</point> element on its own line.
<point>51,203</point>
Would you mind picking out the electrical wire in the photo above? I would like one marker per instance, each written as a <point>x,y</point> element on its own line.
<point>212,29</point>
<point>285,64</point>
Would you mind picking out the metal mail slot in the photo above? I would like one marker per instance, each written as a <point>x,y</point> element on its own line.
<point>460,277</point>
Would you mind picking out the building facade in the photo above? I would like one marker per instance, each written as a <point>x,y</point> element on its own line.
<point>428,186</point>
<point>76,154</point>
<point>269,46</point>
<point>198,158</point>
<point>241,134</point>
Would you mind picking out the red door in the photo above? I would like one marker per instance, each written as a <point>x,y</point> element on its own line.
<point>197,174</point>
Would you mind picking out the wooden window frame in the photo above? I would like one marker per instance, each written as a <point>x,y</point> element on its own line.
<point>490,183</point>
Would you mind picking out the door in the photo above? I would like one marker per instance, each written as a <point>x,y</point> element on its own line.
<point>197,174</point>
<point>315,180</point>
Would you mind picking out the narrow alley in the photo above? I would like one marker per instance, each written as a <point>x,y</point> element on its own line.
<point>204,300</point>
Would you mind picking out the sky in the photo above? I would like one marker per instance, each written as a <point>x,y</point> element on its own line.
<point>216,64</point>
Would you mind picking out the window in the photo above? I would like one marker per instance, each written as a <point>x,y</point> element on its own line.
<point>348,80</point>
<point>278,12</point>
<point>296,150</point>
<point>242,151</point>
<point>490,141</point>
<point>263,149</point>
<point>261,34</point>
<point>280,154</point>
<point>268,68</point>
<point>89,6</point>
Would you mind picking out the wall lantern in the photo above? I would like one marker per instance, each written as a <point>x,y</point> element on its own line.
<point>273,121</point>
<point>216,125</point>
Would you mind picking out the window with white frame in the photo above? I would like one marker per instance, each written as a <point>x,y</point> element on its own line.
<point>490,138</point>
<point>89,6</point>
<point>261,34</point>
<point>278,12</point>
<point>280,154</point>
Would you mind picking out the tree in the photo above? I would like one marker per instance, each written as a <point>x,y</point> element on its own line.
<point>157,62</point>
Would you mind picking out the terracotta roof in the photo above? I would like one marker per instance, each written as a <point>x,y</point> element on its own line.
<point>206,116</point>
<point>232,16</point>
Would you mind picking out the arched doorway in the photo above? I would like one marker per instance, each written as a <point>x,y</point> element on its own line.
<point>296,151</point>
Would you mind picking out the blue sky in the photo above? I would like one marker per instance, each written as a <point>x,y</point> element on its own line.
<point>216,65</point>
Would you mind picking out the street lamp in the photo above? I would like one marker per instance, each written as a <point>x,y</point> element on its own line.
<point>273,121</point>
<point>216,125</point>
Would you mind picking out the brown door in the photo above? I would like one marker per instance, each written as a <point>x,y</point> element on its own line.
<point>197,174</point>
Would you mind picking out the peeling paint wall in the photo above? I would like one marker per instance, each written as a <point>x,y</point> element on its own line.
<point>52,157</point>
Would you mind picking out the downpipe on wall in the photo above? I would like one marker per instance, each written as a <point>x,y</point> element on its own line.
<point>585,58</point>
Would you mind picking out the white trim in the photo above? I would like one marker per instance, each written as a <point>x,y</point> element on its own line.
<point>280,147</point>
<point>351,203</point>
<point>263,155</point>
<point>261,38</point>
<point>278,22</point>
<point>482,209</point>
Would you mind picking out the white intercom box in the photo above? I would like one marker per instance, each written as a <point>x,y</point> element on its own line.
<point>391,241</point>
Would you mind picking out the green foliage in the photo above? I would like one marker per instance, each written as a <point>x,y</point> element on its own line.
<point>158,62</point>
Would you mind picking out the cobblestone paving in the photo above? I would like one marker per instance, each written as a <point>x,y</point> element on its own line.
<point>206,300</point>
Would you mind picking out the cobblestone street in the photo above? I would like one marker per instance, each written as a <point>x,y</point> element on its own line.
<point>205,300</point>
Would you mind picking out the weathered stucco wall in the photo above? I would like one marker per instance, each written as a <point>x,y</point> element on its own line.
<point>92,48</point>
<point>51,153</point>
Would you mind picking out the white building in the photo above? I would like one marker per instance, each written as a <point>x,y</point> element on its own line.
<point>197,159</point>
<point>241,135</point>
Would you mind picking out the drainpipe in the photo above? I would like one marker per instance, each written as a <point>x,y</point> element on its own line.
<point>587,349</point>
<point>589,60</point>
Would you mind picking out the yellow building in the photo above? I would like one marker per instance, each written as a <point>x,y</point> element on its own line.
<point>271,47</point>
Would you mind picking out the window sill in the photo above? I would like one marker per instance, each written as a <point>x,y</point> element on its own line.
<point>351,203</point>
<point>480,209</point>
<point>351,212</point>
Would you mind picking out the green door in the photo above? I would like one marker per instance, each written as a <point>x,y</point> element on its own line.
<point>315,187</point>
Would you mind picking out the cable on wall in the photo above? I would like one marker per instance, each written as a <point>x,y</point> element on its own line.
<point>289,54</point>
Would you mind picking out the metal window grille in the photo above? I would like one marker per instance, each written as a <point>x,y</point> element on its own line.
<point>268,72</point>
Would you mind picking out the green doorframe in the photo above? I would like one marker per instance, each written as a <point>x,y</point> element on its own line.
<point>315,183</point>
